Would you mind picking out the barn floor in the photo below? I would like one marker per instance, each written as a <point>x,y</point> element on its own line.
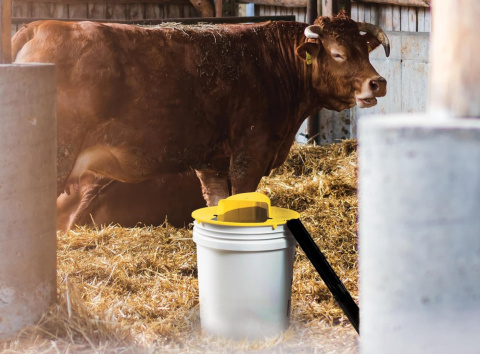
<point>135,290</point>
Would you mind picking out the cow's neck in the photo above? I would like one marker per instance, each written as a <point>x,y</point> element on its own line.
<point>293,77</point>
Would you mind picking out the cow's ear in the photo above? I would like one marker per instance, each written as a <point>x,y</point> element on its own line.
<point>308,51</point>
<point>372,41</point>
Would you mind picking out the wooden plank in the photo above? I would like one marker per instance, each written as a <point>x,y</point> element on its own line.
<point>22,9</point>
<point>412,19</point>
<point>333,126</point>
<point>172,11</point>
<point>41,9</point>
<point>404,19</point>
<point>153,11</point>
<point>417,3</point>
<point>77,11</point>
<point>354,14</point>
<point>414,86</point>
<point>259,10</point>
<point>396,23</point>
<point>190,11</point>
<point>326,8</point>
<point>361,13</point>
<point>300,14</point>
<point>420,20</point>
<point>60,11</point>
<point>5,31</point>
<point>81,2</point>
<point>374,14</point>
<point>386,18</point>
<point>286,3</point>
<point>333,7</point>
<point>116,11</point>
<point>368,14</point>
<point>97,11</point>
<point>428,21</point>
<point>136,11</point>
<point>225,8</point>
<point>415,46</point>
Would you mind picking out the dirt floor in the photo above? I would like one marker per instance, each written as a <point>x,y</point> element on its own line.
<point>135,290</point>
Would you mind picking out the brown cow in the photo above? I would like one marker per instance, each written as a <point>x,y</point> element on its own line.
<point>226,101</point>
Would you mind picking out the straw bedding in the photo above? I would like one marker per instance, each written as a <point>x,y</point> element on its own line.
<point>135,290</point>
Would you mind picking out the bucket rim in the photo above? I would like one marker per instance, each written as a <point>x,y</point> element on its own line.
<point>278,216</point>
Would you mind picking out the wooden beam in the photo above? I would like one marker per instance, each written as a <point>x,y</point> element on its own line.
<point>417,3</point>
<point>224,8</point>
<point>5,31</point>
<point>186,21</point>
<point>283,3</point>
<point>73,2</point>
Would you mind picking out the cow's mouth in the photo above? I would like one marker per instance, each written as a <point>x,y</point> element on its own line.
<point>366,102</point>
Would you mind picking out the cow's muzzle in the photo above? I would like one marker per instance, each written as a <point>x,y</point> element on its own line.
<point>372,88</point>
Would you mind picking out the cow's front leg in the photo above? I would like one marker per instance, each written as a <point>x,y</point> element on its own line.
<point>247,167</point>
<point>214,186</point>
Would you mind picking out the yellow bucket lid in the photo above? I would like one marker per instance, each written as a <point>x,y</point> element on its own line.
<point>245,209</point>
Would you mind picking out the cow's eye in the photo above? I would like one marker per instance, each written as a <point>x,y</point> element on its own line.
<point>337,56</point>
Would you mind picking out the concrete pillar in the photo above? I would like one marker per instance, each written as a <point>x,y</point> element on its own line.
<point>27,194</point>
<point>419,235</point>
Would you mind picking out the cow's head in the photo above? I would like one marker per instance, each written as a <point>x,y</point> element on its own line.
<point>337,50</point>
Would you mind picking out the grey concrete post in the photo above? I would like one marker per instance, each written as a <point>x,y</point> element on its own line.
<point>419,235</point>
<point>27,194</point>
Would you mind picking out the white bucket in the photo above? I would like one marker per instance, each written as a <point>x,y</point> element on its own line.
<point>245,278</point>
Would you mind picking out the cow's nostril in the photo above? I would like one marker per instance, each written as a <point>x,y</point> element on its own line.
<point>378,84</point>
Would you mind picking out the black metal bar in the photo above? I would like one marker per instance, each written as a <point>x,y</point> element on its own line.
<point>333,282</point>
<point>312,121</point>
<point>312,11</point>
<point>186,21</point>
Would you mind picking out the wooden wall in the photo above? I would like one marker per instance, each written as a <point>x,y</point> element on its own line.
<point>300,13</point>
<point>392,17</point>
<point>95,9</point>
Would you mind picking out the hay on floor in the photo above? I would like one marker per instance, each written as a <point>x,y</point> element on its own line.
<point>126,290</point>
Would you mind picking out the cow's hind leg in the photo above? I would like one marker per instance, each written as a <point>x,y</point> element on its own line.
<point>90,187</point>
<point>214,186</point>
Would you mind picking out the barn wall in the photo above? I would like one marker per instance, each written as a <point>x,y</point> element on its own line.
<point>300,13</point>
<point>392,17</point>
<point>406,71</point>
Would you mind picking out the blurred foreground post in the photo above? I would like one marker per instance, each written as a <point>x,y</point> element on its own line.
<point>27,194</point>
<point>419,196</point>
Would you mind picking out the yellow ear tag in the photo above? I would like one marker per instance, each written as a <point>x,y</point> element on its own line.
<point>308,58</point>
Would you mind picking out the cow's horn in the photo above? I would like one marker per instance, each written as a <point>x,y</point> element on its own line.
<point>378,33</point>
<point>313,32</point>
